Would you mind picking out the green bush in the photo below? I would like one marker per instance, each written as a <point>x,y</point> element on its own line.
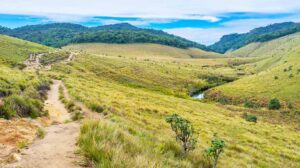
<point>250,104</point>
<point>15,105</point>
<point>183,130</point>
<point>214,151</point>
<point>40,133</point>
<point>290,106</point>
<point>274,104</point>
<point>250,117</point>
<point>97,108</point>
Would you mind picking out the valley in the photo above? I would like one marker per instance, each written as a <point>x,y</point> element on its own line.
<point>105,105</point>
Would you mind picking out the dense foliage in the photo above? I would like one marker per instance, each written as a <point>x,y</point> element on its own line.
<point>61,34</point>
<point>262,34</point>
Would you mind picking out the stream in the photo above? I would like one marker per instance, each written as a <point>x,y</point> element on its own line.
<point>198,96</point>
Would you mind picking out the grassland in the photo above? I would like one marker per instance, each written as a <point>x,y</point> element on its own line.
<point>22,92</point>
<point>280,79</point>
<point>164,73</point>
<point>145,50</point>
<point>269,54</point>
<point>136,94</point>
<point>15,51</point>
<point>136,86</point>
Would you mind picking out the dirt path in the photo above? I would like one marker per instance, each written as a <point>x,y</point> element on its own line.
<point>56,109</point>
<point>57,149</point>
<point>33,62</point>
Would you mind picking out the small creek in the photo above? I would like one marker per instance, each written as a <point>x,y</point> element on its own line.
<point>199,96</point>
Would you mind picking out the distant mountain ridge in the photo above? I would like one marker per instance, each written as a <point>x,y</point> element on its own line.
<point>61,34</point>
<point>261,34</point>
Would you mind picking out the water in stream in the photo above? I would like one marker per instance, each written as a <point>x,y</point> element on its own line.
<point>199,96</point>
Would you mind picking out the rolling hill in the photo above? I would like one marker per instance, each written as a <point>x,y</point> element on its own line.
<point>142,50</point>
<point>16,51</point>
<point>134,87</point>
<point>271,53</point>
<point>61,34</point>
<point>261,34</point>
<point>278,74</point>
<point>137,94</point>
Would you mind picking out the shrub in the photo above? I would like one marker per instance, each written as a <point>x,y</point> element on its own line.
<point>183,130</point>
<point>77,115</point>
<point>274,104</point>
<point>97,108</point>
<point>275,77</point>
<point>15,105</point>
<point>214,151</point>
<point>250,104</point>
<point>290,106</point>
<point>40,133</point>
<point>250,117</point>
<point>291,76</point>
<point>22,144</point>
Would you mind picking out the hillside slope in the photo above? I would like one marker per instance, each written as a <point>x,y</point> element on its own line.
<point>271,53</point>
<point>15,50</point>
<point>142,50</point>
<point>135,132</point>
<point>278,77</point>
<point>261,34</point>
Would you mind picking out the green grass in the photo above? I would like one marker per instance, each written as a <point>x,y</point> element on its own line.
<point>135,132</point>
<point>280,79</point>
<point>22,92</point>
<point>272,53</point>
<point>15,51</point>
<point>142,50</point>
<point>53,57</point>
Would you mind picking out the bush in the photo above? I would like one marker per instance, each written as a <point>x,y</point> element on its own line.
<point>183,130</point>
<point>274,104</point>
<point>290,106</point>
<point>214,151</point>
<point>77,115</point>
<point>250,104</point>
<point>250,117</point>
<point>97,108</point>
<point>40,133</point>
<point>275,77</point>
<point>15,105</point>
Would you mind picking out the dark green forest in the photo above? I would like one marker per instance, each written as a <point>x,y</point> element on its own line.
<point>61,34</point>
<point>262,34</point>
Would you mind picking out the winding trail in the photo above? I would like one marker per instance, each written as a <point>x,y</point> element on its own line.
<point>57,149</point>
<point>57,111</point>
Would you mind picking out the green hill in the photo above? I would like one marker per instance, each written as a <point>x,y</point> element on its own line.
<point>142,50</point>
<point>262,34</point>
<point>136,95</point>
<point>61,34</point>
<point>278,77</point>
<point>15,50</point>
<point>21,92</point>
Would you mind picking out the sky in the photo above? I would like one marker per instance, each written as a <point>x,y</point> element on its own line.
<point>203,21</point>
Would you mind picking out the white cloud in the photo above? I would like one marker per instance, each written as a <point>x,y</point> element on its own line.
<point>177,9</point>
<point>138,22</point>
<point>211,35</point>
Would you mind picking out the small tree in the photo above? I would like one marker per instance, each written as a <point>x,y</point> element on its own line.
<point>214,151</point>
<point>183,130</point>
<point>274,104</point>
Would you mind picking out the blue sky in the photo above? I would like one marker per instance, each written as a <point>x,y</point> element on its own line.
<point>203,21</point>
